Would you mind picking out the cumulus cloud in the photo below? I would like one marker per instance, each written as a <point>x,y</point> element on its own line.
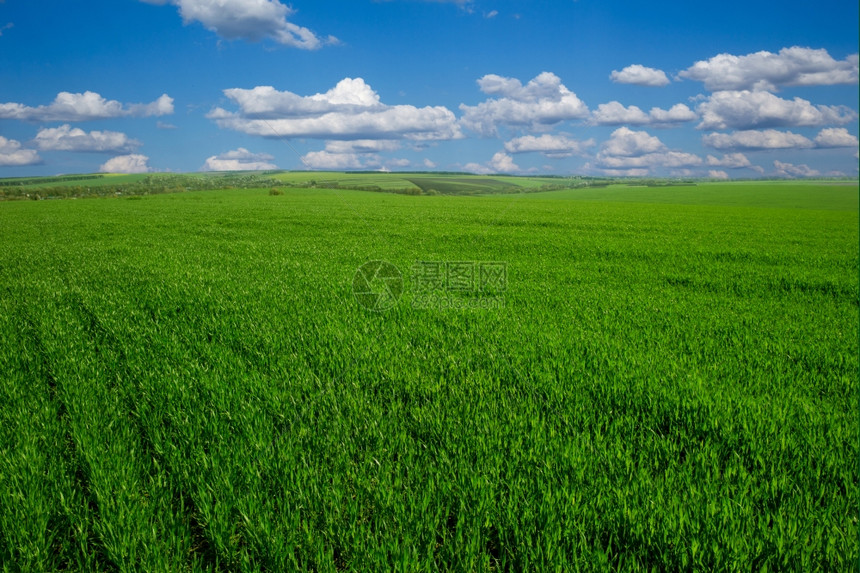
<point>657,159</point>
<point>636,172</point>
<point>773,139</point>
<point>629,152</point>
<point>350,110</point>
<point>252,20</point>
<point>835,137</point>
<point>791,170</point>
<point>501,162</point>
<point>239,160</point>
<point>757,139</point>
<point>549,145</point>
<point>362,146</point>
<point>755,109</point>
<point>795,66</point>
<point>624,142</point>
<point>678,113</point>
<point>717,174</point>
<point>66,138</point>
<point>12,155</point>
<point>355,154</point>
<point>133,163</point>
<point>328,160</point>
<point>614,113</point>
<point>84,107</point>
<point>640,75</point>
<point>730,160</point>
<point>542,102</point>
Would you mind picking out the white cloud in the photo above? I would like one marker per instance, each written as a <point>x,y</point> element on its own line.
<point>659,159</point>
<point>11,154</point>
<point>253,20</point>
<point>717,174</point>
<point>491,14</point>
<point>328,160</point>
<point>362,146</point>
<point>626,172</point>
<point>350,110</point>
<point>429,164</point>
<point>83,107</point>
<point>629,152</point>
<point>754,139</point>
<point>625,142</point>
<point>6,27</point>
<point>501,162</point>
<point>640,75</point>
<point>730,160</point>
<point>678,113</point>
<point>795,66</point>
<point>133,163</point>
<point>66,138</point>
<point>542,102</point>
<point>791,170</point>
<point>750,109</point>
<point>356,154</point>
<point>835,137</point>
<point>477,169</point>
<point>549,145</point>
<point>614,113</point>
<point>239,160</point>
<point>164,125</point>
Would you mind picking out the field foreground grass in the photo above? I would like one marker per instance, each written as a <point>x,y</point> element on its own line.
<point>191,385</point>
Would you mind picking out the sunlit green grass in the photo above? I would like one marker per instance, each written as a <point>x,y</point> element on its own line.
<point>190,384</point>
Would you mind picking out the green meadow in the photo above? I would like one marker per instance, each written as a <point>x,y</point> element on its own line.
<point>662,379</point>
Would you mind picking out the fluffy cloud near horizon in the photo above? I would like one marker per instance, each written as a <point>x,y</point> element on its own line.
<point>85,106</point>
<point>773,139</point>
<point>239,160</point>
<point>794,66</point>
<point>13,155</point>
<point>554,146</point>
<point>757,140</point>
<point>624,142</point>
<point>501,162</point>
<point>640,75</point>
<point>730,160</point>
<point>542,102</point>
<point>67,138</point>
<point>629,152</point>
<point>614,113</point>
<point>252,20</point>
<point>751,109</point>
<point>356,154</point>
<point>350,110</point>
<point>791,170</point>
<point>132,163</point>
<point>835,137</point>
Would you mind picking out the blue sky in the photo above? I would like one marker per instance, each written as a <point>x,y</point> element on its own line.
<point>593,87</point>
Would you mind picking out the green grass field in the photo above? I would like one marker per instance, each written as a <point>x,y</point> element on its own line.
<point>671,383</point>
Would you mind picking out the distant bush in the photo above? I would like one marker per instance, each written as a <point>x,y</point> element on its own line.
<point>274,191</point>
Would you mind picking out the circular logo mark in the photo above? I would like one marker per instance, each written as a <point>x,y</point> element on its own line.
<point>377,285</point>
